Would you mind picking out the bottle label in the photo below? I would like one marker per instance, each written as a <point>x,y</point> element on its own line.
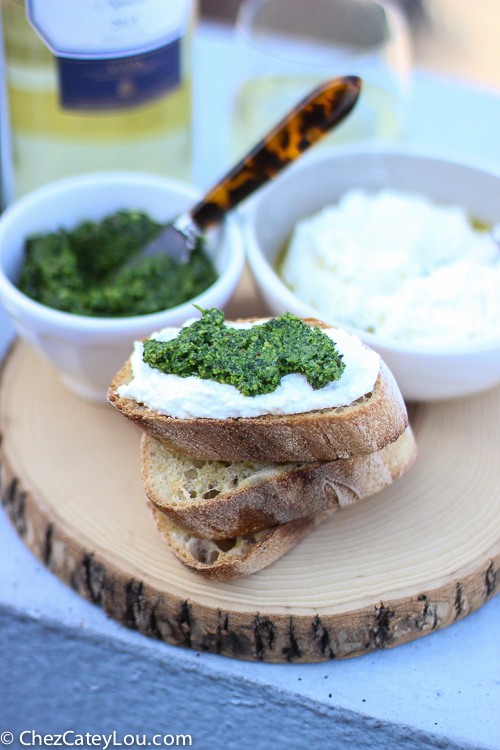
<point>119,83</point>
<point>99,29</point>
<point>112,54</point>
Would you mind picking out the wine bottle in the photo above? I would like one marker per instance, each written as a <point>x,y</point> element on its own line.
<point>96,85</point>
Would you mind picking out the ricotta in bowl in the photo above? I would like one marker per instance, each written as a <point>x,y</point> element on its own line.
<point>193,397</point>
<point>397,265</point>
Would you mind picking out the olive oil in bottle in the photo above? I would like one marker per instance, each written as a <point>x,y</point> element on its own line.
<point>96,85</point>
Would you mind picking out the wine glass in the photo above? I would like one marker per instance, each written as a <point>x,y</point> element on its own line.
<point>287,47</point>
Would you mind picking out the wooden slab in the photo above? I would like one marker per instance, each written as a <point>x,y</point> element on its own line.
<point>418,556</point>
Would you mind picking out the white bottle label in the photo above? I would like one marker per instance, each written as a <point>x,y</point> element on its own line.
<point>99,29</point>
<point>112,54</point>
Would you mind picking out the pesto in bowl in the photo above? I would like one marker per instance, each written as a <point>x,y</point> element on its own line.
<point>82,271</point>
<point>88,349</point>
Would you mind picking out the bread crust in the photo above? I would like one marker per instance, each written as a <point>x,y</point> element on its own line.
<point>307,489</point>
<point>245,557</point>
<point>363,427</point>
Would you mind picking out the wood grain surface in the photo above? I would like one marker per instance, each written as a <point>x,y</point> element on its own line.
<point>416,557</point>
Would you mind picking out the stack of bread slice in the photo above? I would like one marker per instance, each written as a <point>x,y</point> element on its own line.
<point>230,496</point>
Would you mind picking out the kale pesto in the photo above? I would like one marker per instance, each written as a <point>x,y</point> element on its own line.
<point>253,360</point>
<point>81,271</point>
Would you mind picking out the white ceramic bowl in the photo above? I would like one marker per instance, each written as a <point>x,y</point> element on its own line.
<point>88,351</point>
<point>423,372</point>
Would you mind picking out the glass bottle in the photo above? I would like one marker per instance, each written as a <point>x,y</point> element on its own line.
<point>99,85</point>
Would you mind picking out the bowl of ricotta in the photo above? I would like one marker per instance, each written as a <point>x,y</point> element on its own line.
<point>394,248</point>
<point>88,349</point>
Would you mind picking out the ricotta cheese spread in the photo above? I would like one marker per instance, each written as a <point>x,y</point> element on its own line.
<point>193,397</point>
<point>399,266</point>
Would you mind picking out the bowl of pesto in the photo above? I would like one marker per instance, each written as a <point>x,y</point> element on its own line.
<point>65,282</point>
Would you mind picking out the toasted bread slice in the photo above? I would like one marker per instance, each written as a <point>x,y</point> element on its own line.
<point>224,559</point>
<point>360,428</point>
<point>215,500</point>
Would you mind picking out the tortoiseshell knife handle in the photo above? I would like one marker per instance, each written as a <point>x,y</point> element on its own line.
<point>306,124</point>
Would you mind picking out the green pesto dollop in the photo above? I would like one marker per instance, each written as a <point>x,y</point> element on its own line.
<point>81,271</point>
<point>253,360</point>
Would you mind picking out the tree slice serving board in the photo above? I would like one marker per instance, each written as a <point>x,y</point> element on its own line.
<point>416,557</point>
